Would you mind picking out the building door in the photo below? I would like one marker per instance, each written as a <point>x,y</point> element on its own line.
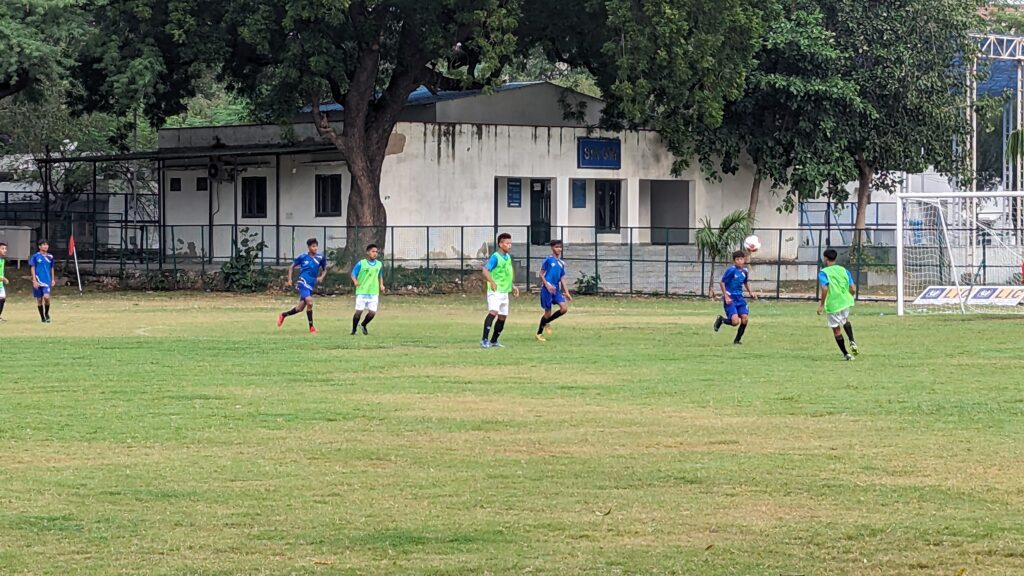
<point>540,212</point>
<point>670,212</point>
<point>607,200</point>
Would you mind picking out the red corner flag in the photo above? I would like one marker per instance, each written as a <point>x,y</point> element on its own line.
<point>71,245</point>
<point>72,252</point>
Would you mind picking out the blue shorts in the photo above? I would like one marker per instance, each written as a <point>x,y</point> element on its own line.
<point>40,292</point>
<point>304,290</point>
<point>549,300</point>
<point>738,307</point>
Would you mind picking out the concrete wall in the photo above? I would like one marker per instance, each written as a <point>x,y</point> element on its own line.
<point>534,105</point>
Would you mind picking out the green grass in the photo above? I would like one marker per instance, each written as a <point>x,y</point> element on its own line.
<point>185,434</point>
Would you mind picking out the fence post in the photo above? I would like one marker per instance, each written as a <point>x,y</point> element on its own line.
<point>95,238</point>
<point>597,288</point>
<point>174,259</point>
<point>666,262</point>
<point>860,258</point>
<point>631,261</point>
<point>145,243</point>
<point>529,241</point>
<point>462,257</point>
<point>703,274</point>
<point>778,270</point>
<point>392,255</point>
<point>984,263</point>
<point>202,242</point>
<point>428,249</point>
<point>817,286</point>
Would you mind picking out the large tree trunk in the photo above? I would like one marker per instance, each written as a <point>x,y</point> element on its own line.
<point>866,175</point>
<point>367,219</point>
<point>755,192</point>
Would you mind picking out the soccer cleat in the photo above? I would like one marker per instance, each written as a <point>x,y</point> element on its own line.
<point>547,329</point>
<point>280,320</point>
<point>718,324</point>
<point>365,331</point>
<point>353,332</point>
<point>854,349</point>
<point>540,338</point>
<point>849,358</point>
<point>313,330</point>
<point>496,345</point>
<point>485,343</point>
<point>737,343</point>
<point>2,320</point>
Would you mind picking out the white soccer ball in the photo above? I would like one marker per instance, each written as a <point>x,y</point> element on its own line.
<point>752,244</point>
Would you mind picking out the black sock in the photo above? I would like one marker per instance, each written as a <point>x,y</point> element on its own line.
<point>555,316</point>
<point>46,307</point>
<point>309,316</point>
<point>543,321</point>
<point>369,317</point>
<point>355,320</point>
<point>842,345</point>
<point>2,302</point>
<point>291,312</point>
<point>42,316</point>
<point>487,325</point>
<point>739,333</point>
<point>498,327</point>
<point>725,321</point>
<point>849,331</point>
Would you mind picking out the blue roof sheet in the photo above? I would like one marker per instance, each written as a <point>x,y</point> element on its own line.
<point>422,96</point>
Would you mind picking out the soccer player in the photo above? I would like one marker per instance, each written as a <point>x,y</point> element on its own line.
<point>500,278</point>
<point>3,279</point>
<point>369,285</point>
<point>553,290</point>
<point>837,297</point>
<point>736,278</point>
<point>313,268</point>
<point>42,279</point>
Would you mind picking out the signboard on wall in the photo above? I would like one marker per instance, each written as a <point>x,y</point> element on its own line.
<point>514,193</point>
<point>976,296</point>
<point>599,153</point>
<point>579,193</point>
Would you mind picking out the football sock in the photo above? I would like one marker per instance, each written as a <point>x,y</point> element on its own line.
<point>369,317</point>
<point>47,309</point>
<point>739,333</point>
<point>355,320</point>
<point>42,316</point>
<point>487,325</point>
<point>842,345</point>
<point>725,321</point>
<point>2,302</point>
<point>849,331</point>
<point>555,316</point>
<point>309,316</point>
<point>543,321</point>
<point>291,312</point>
<point>498,327</point>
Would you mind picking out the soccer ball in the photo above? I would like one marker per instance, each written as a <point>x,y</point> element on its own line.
<point>752,244</point>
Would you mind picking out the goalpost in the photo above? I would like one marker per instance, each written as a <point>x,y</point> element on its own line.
<point>960,252</point>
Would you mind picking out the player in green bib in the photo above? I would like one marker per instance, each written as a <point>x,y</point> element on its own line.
<point>500,277</point>
<point>3,279</point>
<point>369,283</point>
<point>837,298</point>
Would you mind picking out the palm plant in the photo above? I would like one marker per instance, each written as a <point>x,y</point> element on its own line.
<point>1015,145</point>
<point>716,243</point>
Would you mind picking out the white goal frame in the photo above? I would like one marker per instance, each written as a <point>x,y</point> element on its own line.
<point>970,199</point>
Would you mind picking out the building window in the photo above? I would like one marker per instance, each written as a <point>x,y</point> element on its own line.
<point>175,184</point>
<point>607,197</point>
<point>328,195</point>
<point>202,184</point>
<point>254,197</point>
<point>579,193</point>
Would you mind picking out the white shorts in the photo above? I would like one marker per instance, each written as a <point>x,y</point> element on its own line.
<point>367,302</point>
<point>3,291</point>
<point>839,318</point>
<point>498,302</point>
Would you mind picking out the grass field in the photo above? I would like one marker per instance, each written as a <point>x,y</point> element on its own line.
<point>186,434</point>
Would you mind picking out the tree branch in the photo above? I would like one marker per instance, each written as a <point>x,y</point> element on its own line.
<point>323,124</point>
<point>16,84</point>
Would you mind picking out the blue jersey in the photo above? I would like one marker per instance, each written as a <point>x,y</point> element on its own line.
<point>734,279</point>
<point>823,279</point>
<point>44,267</point>
<point>310,267</point>
<point>553,270</point>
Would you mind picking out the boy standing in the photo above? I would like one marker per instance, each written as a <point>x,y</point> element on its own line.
<point>369,285</point>
<point>837,297</point>
<point>3,279</point>
<point>553,290</point>
<point>500,281</point>
<point>735,279</point>
<point>42,279</point>
<point>313,268</point>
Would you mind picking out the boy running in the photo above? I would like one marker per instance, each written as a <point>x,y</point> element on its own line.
<point>735,279</point>
<point>42,279</point>
<point>837,297</point>
<point>553,290</point>
<point>313,268</point>
<point>3,279</point>
<point>369,285</point>
<point>500,278</point>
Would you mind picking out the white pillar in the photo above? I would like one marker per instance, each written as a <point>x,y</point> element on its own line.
<point>631,205</point>
<point>560,202</point>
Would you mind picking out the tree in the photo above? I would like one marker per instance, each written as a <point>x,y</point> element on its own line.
<point>717,242</point>
<point>910,60</point>
<point>788,117</point>
<point>37,42</point>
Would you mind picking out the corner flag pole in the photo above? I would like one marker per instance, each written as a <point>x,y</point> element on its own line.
<point>74,252</point>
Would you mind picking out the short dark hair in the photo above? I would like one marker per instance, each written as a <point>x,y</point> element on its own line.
<point>831,255</point>
<point>555,243</point>
<point>3,243</point>
<point>739,254</point>
<point>371,247</point>
<point>42,241</point>
<point>312,241</point>
<point>504,236</point>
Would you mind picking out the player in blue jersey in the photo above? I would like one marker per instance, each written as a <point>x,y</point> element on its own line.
<point>42,279</point>
<point>313,268</point>
<point>553,290</point>
<point>735,279</point>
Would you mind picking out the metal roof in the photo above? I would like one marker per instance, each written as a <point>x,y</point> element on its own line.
<point>187,153</point>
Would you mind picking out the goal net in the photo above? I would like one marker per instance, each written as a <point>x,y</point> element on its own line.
<point>960,252</point>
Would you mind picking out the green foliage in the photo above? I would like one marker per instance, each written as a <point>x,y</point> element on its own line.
<point>38,39</point>
<point>587,284</point>
<point>213,106</point>
<point>242,273</point>
<point>717,243</point>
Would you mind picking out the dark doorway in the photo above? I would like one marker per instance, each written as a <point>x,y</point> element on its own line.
<point>607,199</point>
<point>540,212</point>
<point>670,212</point>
